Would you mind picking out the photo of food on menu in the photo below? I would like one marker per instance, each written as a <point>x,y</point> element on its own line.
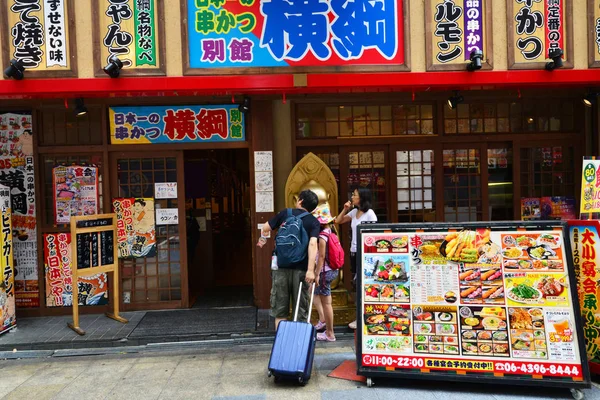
<point>388,327</point>
<point>435,330</point>
<point>387,278</point>
<point>527,333</point>
<point>484,331</point>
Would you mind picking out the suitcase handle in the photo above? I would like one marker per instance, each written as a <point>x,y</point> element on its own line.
<point>312,296</point>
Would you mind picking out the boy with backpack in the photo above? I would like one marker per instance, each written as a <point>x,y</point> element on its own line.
<point>296,251</point>
<point>330,259</point>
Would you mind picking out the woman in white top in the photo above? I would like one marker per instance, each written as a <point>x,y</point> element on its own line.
<point>356,211</point>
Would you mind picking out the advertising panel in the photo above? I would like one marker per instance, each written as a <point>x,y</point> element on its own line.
<point>494,302</point>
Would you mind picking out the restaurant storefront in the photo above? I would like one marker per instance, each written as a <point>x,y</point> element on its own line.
<point>376,115</point>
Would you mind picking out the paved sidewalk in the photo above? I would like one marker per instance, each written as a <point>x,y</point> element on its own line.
<point>225,373</point>
<point>52,333</point>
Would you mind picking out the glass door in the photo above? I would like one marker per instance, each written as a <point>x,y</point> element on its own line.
<point>154,281</point>
<point>463,194</point>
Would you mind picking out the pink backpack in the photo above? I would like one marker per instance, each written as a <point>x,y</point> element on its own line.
<point>335,252</point>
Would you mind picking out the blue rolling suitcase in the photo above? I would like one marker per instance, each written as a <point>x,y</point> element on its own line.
<point>294,347</point>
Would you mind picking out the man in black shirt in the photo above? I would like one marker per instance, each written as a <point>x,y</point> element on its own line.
<point>286,281</point>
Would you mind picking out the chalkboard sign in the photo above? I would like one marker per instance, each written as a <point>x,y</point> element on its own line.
<point>95,249</point>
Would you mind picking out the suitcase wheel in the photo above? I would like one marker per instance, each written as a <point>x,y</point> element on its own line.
<point>302,381</point>
<point>269,374</point>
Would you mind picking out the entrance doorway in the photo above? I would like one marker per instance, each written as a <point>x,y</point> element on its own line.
<point>217,193</point>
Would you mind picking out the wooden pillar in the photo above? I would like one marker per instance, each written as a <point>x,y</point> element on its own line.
<point>261,139</point>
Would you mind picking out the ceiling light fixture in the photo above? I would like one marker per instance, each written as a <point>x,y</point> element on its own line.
<point>80,108</point>
<point>454,101</point>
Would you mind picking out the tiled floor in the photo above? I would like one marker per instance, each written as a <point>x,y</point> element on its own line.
<point>38,333</point>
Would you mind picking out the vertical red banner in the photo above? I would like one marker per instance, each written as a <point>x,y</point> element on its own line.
<point>554,24</point>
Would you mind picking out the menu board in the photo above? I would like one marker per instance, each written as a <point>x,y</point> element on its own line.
<point>470,300</point>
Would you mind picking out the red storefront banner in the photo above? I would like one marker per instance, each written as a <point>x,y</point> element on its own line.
<point>526,368</point>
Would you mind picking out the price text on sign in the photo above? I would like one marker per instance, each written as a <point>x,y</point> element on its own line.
<point>504,367</point>
<point>167,216</point>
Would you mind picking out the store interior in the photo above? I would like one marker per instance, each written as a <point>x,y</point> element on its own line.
<point>217,188</point>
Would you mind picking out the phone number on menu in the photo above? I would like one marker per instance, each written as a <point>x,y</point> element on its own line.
<point>524,368</point>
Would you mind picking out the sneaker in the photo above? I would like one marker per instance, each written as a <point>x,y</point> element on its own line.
<point>322,336</point>
<point>320,326</point>
<point>352,325</point>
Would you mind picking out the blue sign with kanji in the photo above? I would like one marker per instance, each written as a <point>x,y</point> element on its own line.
<point>177,124</point>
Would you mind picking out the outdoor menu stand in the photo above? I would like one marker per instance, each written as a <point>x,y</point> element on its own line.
<point>484,316</point>
<point>94,251</point>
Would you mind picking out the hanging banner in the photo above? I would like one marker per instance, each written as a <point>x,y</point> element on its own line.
<point>17,172</point>
<point>129,29</point>
<point>590,187</point>
<point>179,124</point>
<point>493,300</point>
<point>39,35</point>
<point>585,239</point>
<point>456,28</point>
<point>265,33</point>
<point>535,27</point>
<point>75,192</point>
<point>7,283</point>
<point>93,290</point>
<point>136,230</point>
<point>594,33</point>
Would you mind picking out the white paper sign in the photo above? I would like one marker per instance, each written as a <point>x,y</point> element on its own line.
<point>167,216</point>
<point>264,202</point>
<point>263,161</point>
<point>263,181</point>
<point>165,190</point>
<point>201,223</point>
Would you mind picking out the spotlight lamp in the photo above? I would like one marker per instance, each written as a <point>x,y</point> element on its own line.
<point>590,99</point>
<point>80,108</point>
<point>15,70</point>
<point>555,54</point>
<point>114,66</point>
<point>245,106</point>
<point>476,58</point>
<point>454,101</point>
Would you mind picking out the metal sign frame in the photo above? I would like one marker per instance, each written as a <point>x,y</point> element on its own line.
<point>419,373</point>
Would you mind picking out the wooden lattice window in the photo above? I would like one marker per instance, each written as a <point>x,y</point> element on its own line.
<point>158,278</point>
<point>415,181</point>
<point>462,185</point>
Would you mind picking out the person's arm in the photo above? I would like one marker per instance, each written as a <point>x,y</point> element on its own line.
<point>312,254</point>
<point>267,228</point>
<point>345,215</point>
<point>321,262</point>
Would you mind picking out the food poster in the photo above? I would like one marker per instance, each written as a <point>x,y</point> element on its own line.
<point>387,328</point>
<point>435,329</point>
<point>17,172</point>
<point>480,300</point>
<point>7,285</point>
<point>93,290</point>
<point>484,331</point>
<point>528,333</point>
<point>75,192</point>
<point>388,278</point>
<point>136,228</point>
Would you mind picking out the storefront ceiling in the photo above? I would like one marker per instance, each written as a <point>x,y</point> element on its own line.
<point>285,83</point>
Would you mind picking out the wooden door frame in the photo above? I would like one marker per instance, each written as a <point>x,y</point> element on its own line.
<point>114,191</point>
